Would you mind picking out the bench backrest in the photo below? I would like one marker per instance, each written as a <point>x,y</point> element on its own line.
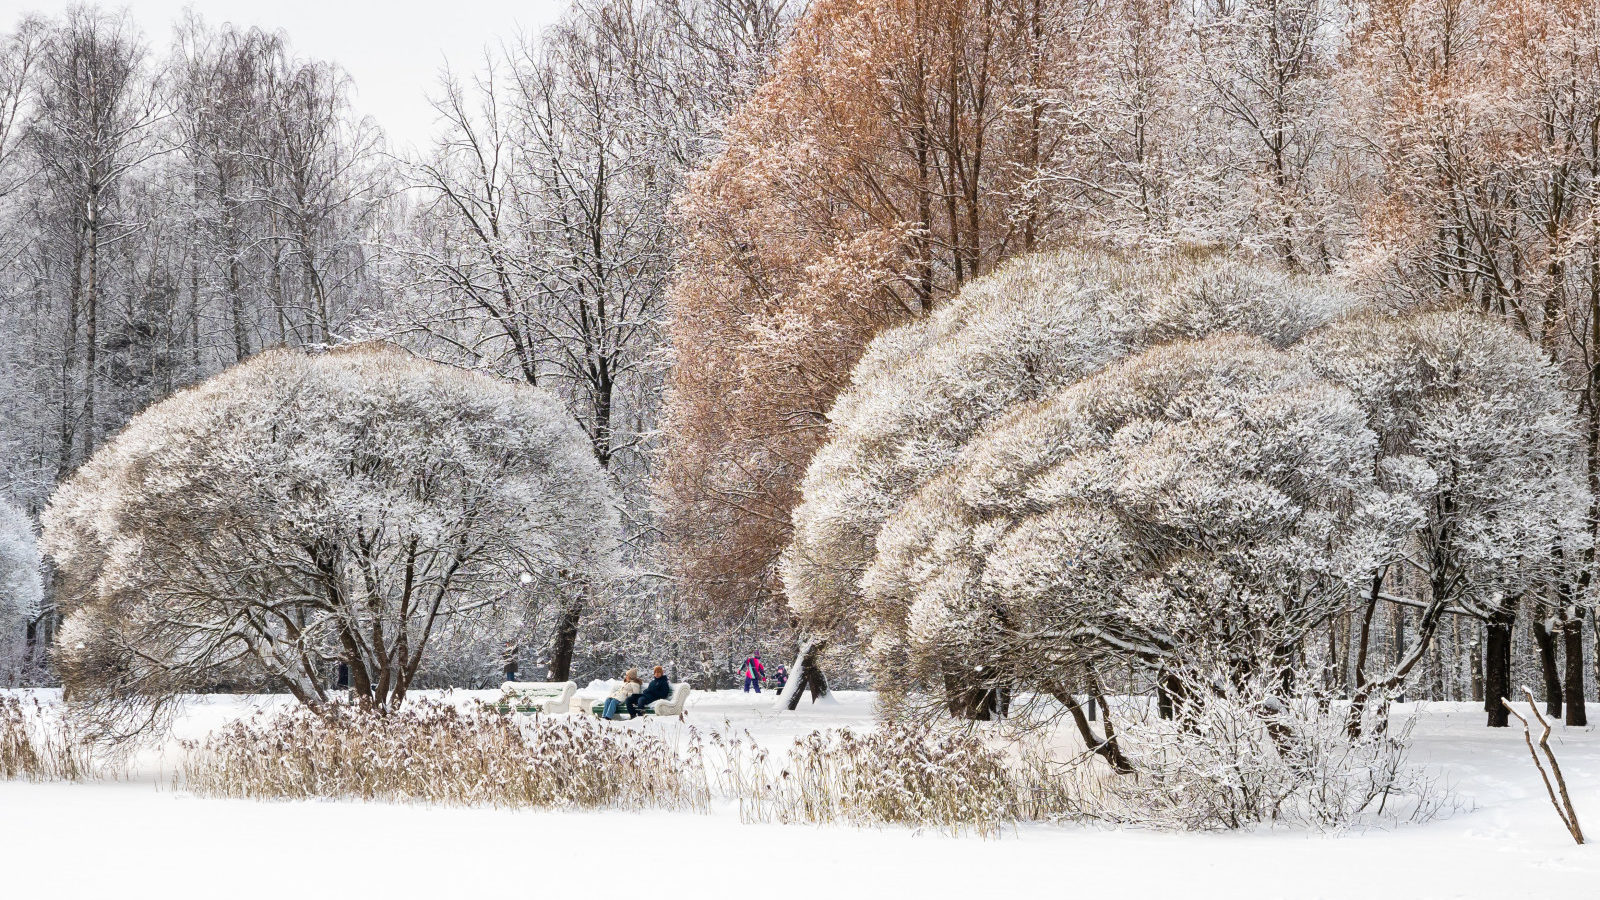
<point>538,690</point>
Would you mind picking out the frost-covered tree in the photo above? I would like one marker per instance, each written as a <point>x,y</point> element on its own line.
<point>936,524</point>
<point>1039,324</point>
<point>299,511</point>
<point>1201,505</point>
<point>21,589</point>
<point>1478,435</point>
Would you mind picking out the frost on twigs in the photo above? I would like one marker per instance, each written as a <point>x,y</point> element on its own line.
<point>1248,755</point>
<point>297,512</point>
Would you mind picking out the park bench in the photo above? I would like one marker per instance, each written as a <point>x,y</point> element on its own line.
<point>672,706</point>
<point>528,697</point>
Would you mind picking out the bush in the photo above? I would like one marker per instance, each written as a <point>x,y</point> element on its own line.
<point>1238,758</point>
<point>361,506</point>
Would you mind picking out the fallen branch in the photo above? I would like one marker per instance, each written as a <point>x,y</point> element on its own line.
<point>1569,816</point>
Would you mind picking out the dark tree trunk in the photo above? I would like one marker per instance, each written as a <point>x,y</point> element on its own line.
<point>1169,694</point>
<point>1548,668</point>
<point>30,643</point>
<point>808,675</point>
<point>966,700</point>
<point>1594,623</point>
<point>566,638</point>
<point>1497,667</point>
<point>1572,645</point>
<point>1477,672</point>
<point>1105,746</point>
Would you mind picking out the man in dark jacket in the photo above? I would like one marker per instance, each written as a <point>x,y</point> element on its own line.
<point>657,689</point>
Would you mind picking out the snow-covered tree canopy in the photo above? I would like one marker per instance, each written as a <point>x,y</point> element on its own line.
<point>1480,449</point>
<point>1040,323</point>
<point>1197,500</point>
<point>21,588</point>
<point>1161,460</point>
<point>298,510</point>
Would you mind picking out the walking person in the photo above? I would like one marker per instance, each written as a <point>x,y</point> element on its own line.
<point>753,672</point>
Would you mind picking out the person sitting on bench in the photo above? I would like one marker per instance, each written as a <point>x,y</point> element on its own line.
<point>658,689</point>
<point>624,693</point>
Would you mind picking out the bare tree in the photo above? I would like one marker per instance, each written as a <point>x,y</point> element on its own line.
<point>96,111</point>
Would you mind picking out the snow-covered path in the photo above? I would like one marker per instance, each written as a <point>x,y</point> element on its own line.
<point>139,838</point>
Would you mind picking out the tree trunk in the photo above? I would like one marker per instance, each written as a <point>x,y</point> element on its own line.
<point>806,675</point>
<point>1497,667</point>
<point>1169,693</point>
<point>566,638</point>
<point>1572,645</point>
<point>91,332</point>
<point>972,702</point>
<point>69,362</point>
<point>1106,746</point>
<point>1547,666</point>
<point>1397,618</point>
<point>30,643</point>
<point>1477,671</point>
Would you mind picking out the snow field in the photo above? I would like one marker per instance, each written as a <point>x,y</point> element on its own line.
<point>138,837</point>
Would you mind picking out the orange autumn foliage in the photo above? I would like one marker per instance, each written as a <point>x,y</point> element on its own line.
<point>890,158</point>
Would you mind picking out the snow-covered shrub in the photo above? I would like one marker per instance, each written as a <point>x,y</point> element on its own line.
<point>1200,502</point>
<point>434,753</point>
<point>1248,755</point>
<point>944,485</point>
<point>299,511</point>
<point>21,587</point>
<point>1039,324</point>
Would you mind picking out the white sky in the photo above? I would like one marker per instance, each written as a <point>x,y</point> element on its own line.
<point>393,50</point>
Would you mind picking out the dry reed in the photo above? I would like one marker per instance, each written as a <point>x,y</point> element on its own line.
<point>950,778</point>
<point>433,753</point>
<point>39,746</point>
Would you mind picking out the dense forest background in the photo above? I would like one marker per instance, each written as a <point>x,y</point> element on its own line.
<point>688,218</point>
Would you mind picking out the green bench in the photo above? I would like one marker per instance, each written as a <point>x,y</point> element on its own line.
<point>672,706</point>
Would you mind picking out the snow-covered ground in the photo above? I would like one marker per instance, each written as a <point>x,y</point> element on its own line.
<point>139,838</point>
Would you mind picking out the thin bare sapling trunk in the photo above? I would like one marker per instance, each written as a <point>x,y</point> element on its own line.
<point>1559,798</point>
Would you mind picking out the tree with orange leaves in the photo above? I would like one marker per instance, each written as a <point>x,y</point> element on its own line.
<point>890,159</point>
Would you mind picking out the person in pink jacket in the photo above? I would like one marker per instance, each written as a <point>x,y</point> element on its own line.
<point>753,671</point>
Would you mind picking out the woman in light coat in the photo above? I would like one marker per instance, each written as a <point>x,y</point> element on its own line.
<point>630,685</point>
